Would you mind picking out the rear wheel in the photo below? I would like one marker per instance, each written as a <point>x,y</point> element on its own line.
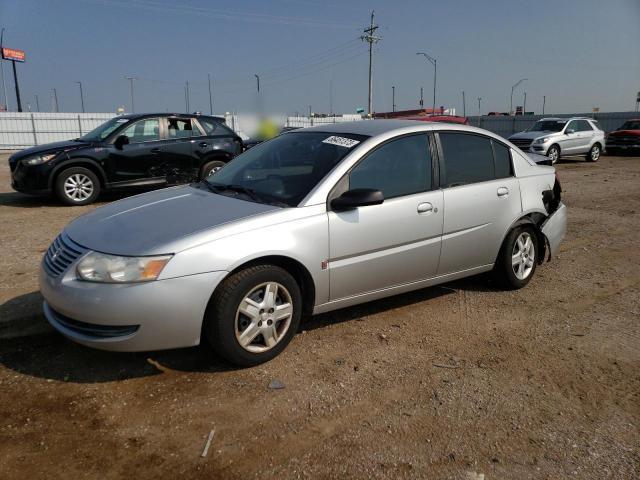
<point>594,153</point>
<point>77,186</point>
<point>517,258</point>
<point>253,315</point>
<point>211,167</point>
<point>553,153</point>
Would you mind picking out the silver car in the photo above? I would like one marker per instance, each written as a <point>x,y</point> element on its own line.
<point>556,137</point>
<point>308,222</point>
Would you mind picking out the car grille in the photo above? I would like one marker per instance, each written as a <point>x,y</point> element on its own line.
<point>62,253</point>
<point>630,140</point>
<point>522,143</point>
<point>92,329</point>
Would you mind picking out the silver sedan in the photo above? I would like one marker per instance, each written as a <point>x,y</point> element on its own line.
<point>308,222</point>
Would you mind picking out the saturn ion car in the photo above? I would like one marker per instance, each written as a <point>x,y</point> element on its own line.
<point>308,222</point>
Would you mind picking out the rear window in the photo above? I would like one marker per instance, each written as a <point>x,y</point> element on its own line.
<point>212,127</point>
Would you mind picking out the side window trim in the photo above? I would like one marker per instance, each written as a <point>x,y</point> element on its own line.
<point>342,185</point>
<point>196,125</point>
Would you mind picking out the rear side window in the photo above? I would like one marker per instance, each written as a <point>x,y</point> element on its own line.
<point>583,126</point>
<point>467,159</point>
<point>502,160</point>
<point>399,167</point>
<point>596,124</point>
<point>180,128</point>
<point>211,127</point>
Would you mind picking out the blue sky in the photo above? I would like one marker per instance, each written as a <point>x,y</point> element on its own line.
<point>579,53</point>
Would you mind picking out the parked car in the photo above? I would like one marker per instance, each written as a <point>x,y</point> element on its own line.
<point>305,223</point>
<point>440,118</point>
<point>557,137</point>
<point>625,139</point>
<point>141,151</point>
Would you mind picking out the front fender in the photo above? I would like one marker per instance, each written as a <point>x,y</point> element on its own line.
<point>94,165</point>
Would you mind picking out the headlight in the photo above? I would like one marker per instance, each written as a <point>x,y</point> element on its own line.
<point>38,159</point>
<point>542,140</point>
<point>100,267</point>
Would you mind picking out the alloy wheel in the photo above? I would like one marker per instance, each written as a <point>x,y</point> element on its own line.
<point>595,153</point>
<point>523,256</point>
<point>553,155</point>
<point>263,317</point>
<point>78,187</point>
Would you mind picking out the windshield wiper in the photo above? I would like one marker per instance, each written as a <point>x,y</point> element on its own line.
<point>249,192</point>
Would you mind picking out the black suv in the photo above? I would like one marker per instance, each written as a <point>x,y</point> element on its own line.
<point>142,151</point>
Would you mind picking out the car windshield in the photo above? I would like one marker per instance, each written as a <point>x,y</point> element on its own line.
<point>285,169</point>
<point>631,125</point>
<point>548,126</point>
<point>103,131</point>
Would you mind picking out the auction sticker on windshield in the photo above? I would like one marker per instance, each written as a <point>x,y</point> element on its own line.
<point>341,141</point>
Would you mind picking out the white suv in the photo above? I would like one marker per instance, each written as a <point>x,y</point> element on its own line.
<point>556,137</point>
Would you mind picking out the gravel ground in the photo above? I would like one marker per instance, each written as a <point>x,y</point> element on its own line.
<point>461,381</point>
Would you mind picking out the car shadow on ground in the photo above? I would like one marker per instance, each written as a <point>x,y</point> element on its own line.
<point>28,345</point>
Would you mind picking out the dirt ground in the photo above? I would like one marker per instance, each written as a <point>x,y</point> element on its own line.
<point>457,382</point>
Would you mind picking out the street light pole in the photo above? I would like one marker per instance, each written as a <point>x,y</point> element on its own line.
<point>81,96</point>
<point>131,80</point>
<point>544,101</point>
<point>435,75</point>
<point>479,100</point>
<point>464,106</point>
<point>512,89</point>
<point>37,103</point>
<point>524,104</point>
<point>187,96</point>
<point>210,96</point>
<point>257,81</point>
<point>393,98</point>
<point>4,86</point>
<point>55,100</point>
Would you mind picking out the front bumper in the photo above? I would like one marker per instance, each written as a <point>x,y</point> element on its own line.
<point>154,315</point>
<point>30,179</point>
<point>554,228</point>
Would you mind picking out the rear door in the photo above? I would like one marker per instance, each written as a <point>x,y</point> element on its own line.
<point>481,199</point>
<point>179,164</point>
<point>398,241</point>
<point>218,140</point>
<point>570,141</point>
<point>585,135</point>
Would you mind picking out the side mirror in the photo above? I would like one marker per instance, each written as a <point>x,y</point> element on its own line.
<point>358,197</point>
<point>569,130</point>
<point>121,141</point>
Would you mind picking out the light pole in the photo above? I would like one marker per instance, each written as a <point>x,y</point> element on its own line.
<point>131,80</point>
<point>210,96</point>
<point>55,100</point>
<point>4,86</point>
<point>479,100</point>
<point>393,98</point>
<point>257,81</point>
<point>435,73</point>
<point>544,101</point>
<point>81,96</point>
<point>512,89</point>
<point>187,96</point>
<point>524,104</point>
<point>37,103</point>
<point>464,106</point>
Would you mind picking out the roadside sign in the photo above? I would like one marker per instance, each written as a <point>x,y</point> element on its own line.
<point>595,109</point>
<point>13,54</point>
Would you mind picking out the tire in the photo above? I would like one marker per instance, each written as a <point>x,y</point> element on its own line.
<point>77,186</point>
<point>516,275</point>
<point>210,167</point>
<point>594,153</point>
<point>554,154</point>
<point>246,290</point>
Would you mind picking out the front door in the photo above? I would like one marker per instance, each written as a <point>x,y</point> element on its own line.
<point>135,162</point>
<point>398,241</point>
<point>570,141</point>
<point>481,198</point>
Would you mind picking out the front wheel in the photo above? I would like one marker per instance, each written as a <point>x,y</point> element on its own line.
<point>594,153</point>
<point>253,315</point>
<point>553,153</point>
<point>77,186</point>
<point>517,258</point>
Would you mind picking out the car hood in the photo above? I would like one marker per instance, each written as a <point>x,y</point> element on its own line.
<point>50,147</point>
<point>625,133</point>
<point>530,135</point>
<point>157,222</point>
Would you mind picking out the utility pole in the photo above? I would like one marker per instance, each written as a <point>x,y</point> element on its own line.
<point>186,97</point>
<point>331,95</point>
<point>512,89</point>
<point>393,98</point>
<point>421,99</point>
<point>435,73</point>
<point>37,103</point>
<point>479,100</point>
<point>524,104</point>
<point>257,81</point>
<point>81,96</point>
<point>464,106</point>
<point>210,96</point>
<point>55,101</point>
<point>309,111</point>
<point>370,38</point>
<point>131,80</point>
<point>544,101</point>
<point>4,86</point>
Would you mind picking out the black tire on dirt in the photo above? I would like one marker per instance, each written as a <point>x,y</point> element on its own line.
<point>77,186</point>
<point>594,153</point>
<point>506,272</point>
<point>223,320</point>
<point>554,154</point>
<point>210,167</point>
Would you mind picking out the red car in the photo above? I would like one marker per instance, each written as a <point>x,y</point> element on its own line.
<point>440,118</point>
<point>625,139</point>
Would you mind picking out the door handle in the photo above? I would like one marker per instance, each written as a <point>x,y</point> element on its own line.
<point>155,150</point>
<point>503,192</point>
<point>203,144</point>
<point>426,207</point>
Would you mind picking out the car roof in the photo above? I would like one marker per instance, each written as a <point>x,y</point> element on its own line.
<point>137,116</point>
<point>566,119</point>
<point>378,127</point>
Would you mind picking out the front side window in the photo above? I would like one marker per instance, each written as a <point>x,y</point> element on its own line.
<point>573,125</point>
<point>143,131</point>
<point>399,167</point>
<point>285,169</point>
<point>467,159</point>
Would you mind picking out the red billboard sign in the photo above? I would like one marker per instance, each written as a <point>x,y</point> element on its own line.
<point>13,54</point>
